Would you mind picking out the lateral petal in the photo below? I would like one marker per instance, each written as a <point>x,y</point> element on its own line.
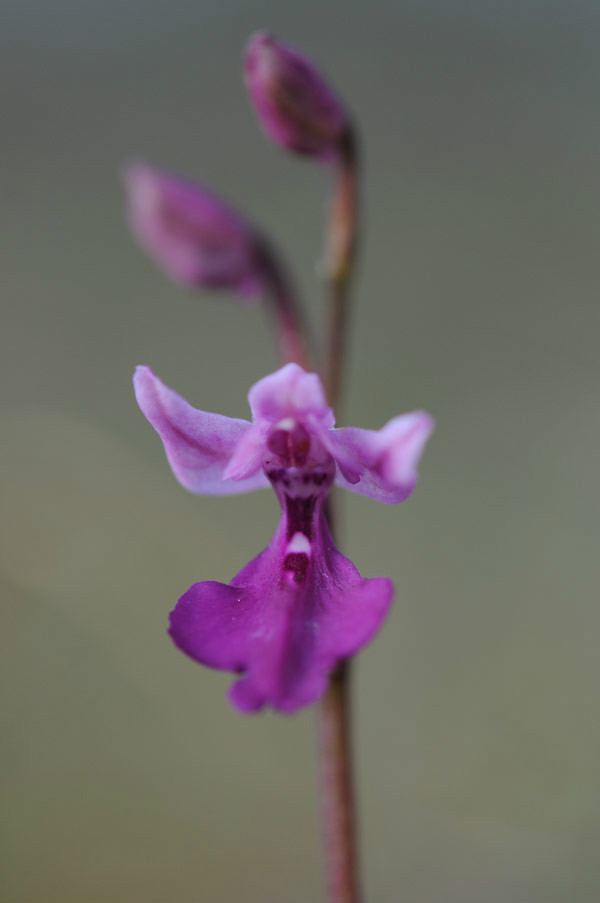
<point>198,445</point>
<point>382,463</point>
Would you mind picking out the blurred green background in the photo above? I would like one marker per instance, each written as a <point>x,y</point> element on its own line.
<point>126,775</point>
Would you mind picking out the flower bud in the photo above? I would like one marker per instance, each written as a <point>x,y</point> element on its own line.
<point>191,234</point>
<point>295,106</point>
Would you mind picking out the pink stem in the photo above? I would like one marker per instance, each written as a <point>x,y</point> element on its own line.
<point>290,325</point>
<point>342,235</point>
<point>333,713</point>
<point>337,797</point>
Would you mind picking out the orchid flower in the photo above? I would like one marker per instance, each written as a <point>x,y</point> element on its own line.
<point>300,607</point>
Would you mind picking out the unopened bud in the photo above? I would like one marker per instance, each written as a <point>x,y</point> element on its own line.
<point>192,235</point>
<point>296,107</point>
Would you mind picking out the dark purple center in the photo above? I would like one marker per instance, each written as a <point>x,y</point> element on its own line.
<point>290,445</point>
<point>301,472</point>
<point>297,564</point>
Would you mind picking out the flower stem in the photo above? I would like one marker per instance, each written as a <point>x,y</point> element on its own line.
<point>337,800</point>
<point>291,327</point>
<point>333,712</point>
<point>341,254</point>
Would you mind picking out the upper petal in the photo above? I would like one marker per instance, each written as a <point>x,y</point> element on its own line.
<point>290,392</point>
<point>198,445</point>
<point>382,463</point>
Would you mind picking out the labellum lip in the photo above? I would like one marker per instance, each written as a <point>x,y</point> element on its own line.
<point>285,620</point>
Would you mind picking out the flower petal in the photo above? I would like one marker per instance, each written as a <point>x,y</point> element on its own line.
<point>248,455</point>
<point>199,445</point>
<point>286,631</point>
<point>382,463</point>
<point>290,392</point>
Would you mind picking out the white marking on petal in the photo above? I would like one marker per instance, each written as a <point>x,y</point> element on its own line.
<point>299,543</point>
<point>287,424</point>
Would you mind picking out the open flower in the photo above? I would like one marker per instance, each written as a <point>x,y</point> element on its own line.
<point>300,607</point>
<point>193,235</point>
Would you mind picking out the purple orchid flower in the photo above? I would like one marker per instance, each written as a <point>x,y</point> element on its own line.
<point>193,235</point>
<point>300,607</point>
<point>294,103</point>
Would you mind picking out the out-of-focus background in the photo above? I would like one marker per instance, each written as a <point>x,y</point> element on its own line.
<point>126,775</point>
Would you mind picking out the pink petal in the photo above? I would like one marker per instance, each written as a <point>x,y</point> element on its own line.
<point>248,455</point>
<point>382,463</point>
<point>290,392</point>
<point>199,445</point>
